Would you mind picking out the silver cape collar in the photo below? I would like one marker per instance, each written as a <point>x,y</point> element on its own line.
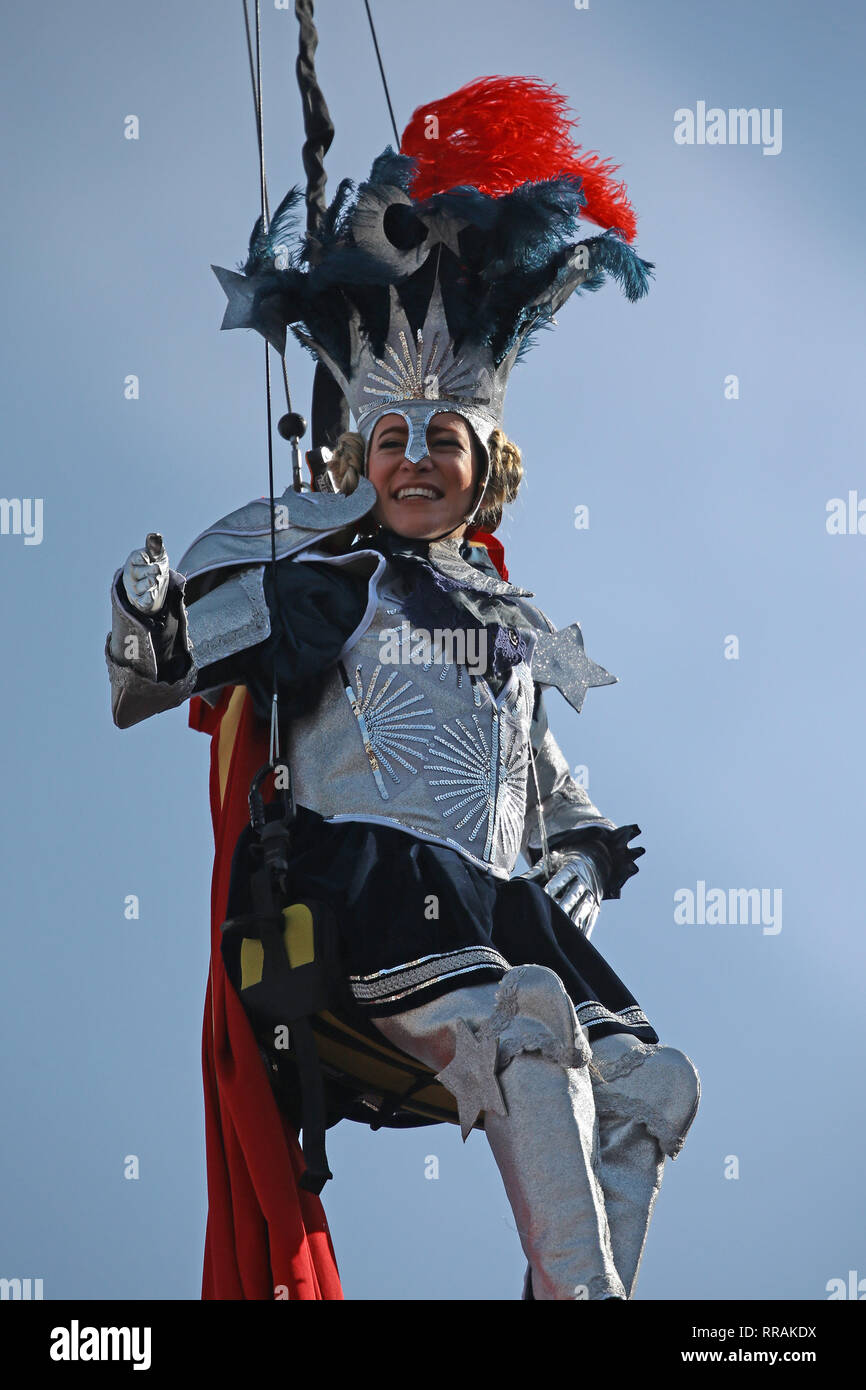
<point>445,556</point>
<point>243,539</point>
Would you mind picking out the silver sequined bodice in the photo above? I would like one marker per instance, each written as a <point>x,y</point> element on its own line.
<point>426,748</point>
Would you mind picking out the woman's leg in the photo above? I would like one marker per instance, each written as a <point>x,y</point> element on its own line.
<point>516,1052</point>
<point>646,1097</point>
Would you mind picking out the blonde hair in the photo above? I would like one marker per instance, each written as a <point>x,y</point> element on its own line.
<point>506,472</point>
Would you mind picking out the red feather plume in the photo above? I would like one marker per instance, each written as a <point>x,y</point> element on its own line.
<point>499,132</point>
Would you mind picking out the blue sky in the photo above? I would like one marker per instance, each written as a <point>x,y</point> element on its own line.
<point>707,522</point>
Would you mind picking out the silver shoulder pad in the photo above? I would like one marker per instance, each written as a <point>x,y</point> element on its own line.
<point>230,617</point>
<point>300,519</point>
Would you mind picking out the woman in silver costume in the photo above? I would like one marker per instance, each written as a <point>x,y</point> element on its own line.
<point>421,760</point>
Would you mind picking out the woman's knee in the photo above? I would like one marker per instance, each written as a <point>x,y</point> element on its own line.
<point>653,1083</point>
<point>527,1011</point>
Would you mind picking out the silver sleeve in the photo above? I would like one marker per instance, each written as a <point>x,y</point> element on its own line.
<point>136,691</point>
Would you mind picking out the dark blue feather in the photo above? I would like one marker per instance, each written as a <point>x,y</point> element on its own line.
<point>513,250</point>
<point>282,229</point>
<point>609,252</point>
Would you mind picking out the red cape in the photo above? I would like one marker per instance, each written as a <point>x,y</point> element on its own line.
<point>266,1238</point>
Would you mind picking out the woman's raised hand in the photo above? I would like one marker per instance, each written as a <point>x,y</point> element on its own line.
<point>145,575</point>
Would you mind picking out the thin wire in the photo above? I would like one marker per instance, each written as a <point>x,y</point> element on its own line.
<point>382,71</point>
<point>542,829</point>
<point>256,76</point>
<point>286,384</point>
<point>256,79</point>
<point>275,717</point>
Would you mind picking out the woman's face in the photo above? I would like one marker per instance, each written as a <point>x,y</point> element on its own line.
<point>427,498</point>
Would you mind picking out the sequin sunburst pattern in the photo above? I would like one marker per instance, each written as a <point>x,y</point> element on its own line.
<point>389,725</point>
<point>484,777</point>
<point>511,795</point>
<point>445,667</point>
<point>420,374</point>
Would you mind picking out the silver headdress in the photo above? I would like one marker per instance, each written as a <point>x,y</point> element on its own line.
<point>421,305</point>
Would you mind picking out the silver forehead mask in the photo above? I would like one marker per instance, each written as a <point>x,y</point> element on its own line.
<point>418,414</point>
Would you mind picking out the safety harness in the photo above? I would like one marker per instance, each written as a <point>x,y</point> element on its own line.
<point>283,960</point>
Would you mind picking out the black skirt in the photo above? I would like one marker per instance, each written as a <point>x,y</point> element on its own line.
<point>416,920</point>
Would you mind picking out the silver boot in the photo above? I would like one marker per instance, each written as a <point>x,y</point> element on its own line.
<point>516,1051</point>
<point>646,1097</point>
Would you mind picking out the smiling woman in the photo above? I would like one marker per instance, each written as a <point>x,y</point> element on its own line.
<point>447,464</point>
<point>416,786</point>
<point>433,496</point>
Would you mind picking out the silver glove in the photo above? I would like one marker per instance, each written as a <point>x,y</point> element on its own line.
<point>145,576</point>
<point>573,883</point>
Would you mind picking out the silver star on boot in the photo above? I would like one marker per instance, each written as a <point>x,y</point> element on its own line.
<point>471,1076</point>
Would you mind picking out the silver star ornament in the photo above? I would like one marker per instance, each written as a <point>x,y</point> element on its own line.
<point>560,660</point>
<point>471,1077</point>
